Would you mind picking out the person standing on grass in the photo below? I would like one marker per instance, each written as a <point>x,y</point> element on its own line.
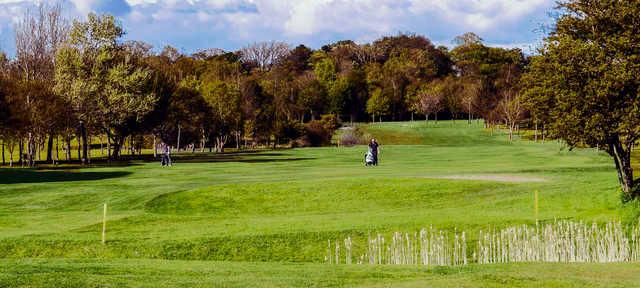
<point>373,147</point>
<point>167,155</point>
<point>163,159</point>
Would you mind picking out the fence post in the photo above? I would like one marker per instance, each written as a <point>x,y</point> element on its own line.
<point>104,224</point>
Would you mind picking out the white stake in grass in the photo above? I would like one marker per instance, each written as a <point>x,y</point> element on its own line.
<point>535,204</point>
<point>104,225</point>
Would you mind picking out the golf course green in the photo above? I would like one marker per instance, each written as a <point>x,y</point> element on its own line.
<point>263,218</point>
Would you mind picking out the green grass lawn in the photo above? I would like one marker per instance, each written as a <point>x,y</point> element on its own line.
<point>263,219</point>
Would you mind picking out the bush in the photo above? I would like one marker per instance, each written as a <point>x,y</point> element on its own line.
<point>315,135</point>
<point>330,122</point>
<point>288,130</point>
<point>353,136</point>
<point>318,132</point>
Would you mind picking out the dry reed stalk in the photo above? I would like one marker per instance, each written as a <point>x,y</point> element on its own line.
<point>559,241</point>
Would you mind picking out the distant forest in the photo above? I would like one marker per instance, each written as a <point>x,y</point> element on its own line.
<point>79,80</point>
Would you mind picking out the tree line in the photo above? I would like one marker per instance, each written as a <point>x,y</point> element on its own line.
<point>79,80</point>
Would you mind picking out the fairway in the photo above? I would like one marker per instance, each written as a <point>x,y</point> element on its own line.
<point>263,218</point>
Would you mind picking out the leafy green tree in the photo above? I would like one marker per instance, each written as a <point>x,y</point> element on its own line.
<point>538,97</point>
<point>324,68</point>
<point>589,68</point>
<point>378,104</point>
<point>225,103</point>
<point>313,97</point>
<point>493,70</point>
<point>125,97</point>
<point>105,87</point>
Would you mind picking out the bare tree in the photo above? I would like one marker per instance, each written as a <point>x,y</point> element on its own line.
<point>429,101</point>
<point>38,36</point>
<point>511,110</point>
<point>207,53</point>
<point>264,54</point>
<point>466,39</point>
<point>469,95</point>
<point>171,53</point>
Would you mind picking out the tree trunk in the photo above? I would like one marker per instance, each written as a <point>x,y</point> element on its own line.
<point>133,147</point>
<point>3,152</point>
<point>50,148</point>
<point>108,147</point>
<point>178,146</point>
<point>535,133</point>
<point>511,132</point>
<point>220,142</point>
<point>68,152</point>
<point>78,139</point>
<point>155,147</point>
<point>117,147</point>
<point>21,152</point>
<point>622,159</point>
<point>85,146</point>
<point>11,148</point>
<point>30,149</point>
<point>57,150</point>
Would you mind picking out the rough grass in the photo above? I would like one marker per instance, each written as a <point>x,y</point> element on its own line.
<point>282,206</point>
<point>162,273</point>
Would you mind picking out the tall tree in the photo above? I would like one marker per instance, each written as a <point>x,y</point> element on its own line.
<point>429,99</point>
<point>105,85</point>
<point>592,72</point>
<point>265,54</point>
<point>38,36</point>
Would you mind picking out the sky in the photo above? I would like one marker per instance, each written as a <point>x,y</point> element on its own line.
<point>192,25</point>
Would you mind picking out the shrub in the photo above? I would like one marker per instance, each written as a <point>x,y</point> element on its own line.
<point>353,136</point>
<point>319,132</point>
<point>315,134</point>
<point>330,122</point>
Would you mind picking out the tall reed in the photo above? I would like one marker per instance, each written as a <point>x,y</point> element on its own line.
<point>429,247</point>
<point>562,241</point>
<point>559,241</point>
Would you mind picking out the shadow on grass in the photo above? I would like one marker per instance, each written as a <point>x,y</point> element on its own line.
<point>17,176</point>
<point>182,157</point>
<point>235,157</point>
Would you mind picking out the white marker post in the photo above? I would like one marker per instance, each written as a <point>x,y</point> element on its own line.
<point>535,204</point>
<point>104,225</point>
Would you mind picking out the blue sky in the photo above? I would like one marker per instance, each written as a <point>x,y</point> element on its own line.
<point>191,25</point>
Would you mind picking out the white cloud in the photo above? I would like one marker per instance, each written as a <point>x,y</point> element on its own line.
<point>479,14</point>
<point>229,24</point>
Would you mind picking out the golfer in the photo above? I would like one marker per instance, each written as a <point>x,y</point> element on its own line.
<point>373,147</point>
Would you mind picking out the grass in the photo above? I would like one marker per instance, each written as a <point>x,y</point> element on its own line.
<point>246,219</point>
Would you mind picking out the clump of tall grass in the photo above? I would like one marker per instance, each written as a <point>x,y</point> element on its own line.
<point>429,247</point>
<point>559,241</point>
<point>562,241</point>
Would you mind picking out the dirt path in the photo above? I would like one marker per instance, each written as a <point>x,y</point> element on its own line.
<point>494,177</point>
